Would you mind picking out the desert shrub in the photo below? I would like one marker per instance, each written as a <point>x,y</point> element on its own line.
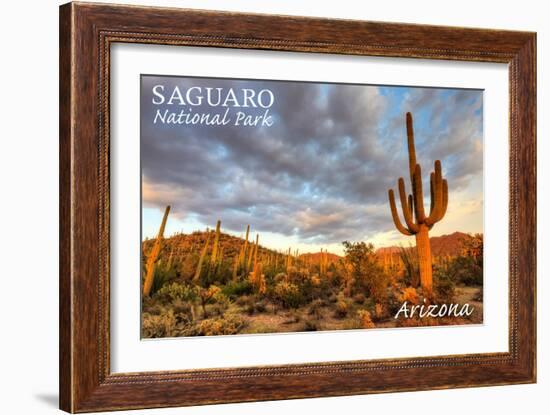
<point>444,289</point>
<point>365,318</point>
<point>288,295</point>
<point>231,324</point>
<point>219,303</point>
<point>342,309</point>
<point>250,307</point>
<point>352,324</point>
<point>316,308</point>
<point>311,325</point>
<point>410,295</point>
<point>293,317</point>
<point>260,306</point>
<point>161,278</point>
<point>253,306</point>
<point>148,303</point>
<point>297,275</point>
<point>209,295</point>
<point>183,311</point>
<point>161,325</point>
<point>359,298</point>
<point>281,276</point>
<point>466,270</point>
<point>176,291</point>
<point>220,298</point>
<point>393,302</point>
<point>217,309</point>
<point>377,286</point>
<point>338,273</point>
<point>379,311</point>
<point>153,307</point>
<point>244,300</point>
<point>366,275</point>
<point>309,290</point>
<point>409,258</point>
<point>472,246</point>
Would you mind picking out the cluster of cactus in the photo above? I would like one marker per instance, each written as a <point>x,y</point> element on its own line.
<point>249,260</point>
<point>216,257</point>
<point>416,220</point>
<point>153,255</point>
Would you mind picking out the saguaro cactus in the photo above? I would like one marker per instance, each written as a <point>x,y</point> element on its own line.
<point>242,254</point>
<point>246,243</point>
<point>152,259</point>
<point>252,254</point>
<point>215,248</point>
<point>201,259</point>
<point>416,220</point>
<point>288,262</point>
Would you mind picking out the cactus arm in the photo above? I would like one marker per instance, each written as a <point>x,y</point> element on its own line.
<point>445,198</point>
<point>407,213</point>
<point>432,191</point>
<point>432,199</point>
<point>410,144</point>
<point>418,195</point>
<point>445,201</point>
<point>395,216</point>
<point>437,212</point>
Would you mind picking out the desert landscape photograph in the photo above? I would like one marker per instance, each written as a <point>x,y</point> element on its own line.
<point>282,206</point>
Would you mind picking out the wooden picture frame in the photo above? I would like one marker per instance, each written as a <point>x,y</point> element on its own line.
<point>86,33</point>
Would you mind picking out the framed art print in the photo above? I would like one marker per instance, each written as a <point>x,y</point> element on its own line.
<point>261,207</point>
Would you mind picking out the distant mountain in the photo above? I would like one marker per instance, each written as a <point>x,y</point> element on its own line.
<point>314,257</point>
<point>180,245</point>
<point>441,245</point>
<point>389,250</point>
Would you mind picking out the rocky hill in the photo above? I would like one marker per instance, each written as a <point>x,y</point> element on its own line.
<point>183,244</point>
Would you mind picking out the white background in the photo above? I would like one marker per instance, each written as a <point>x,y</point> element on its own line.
<point>129,354</point>
<point>28,208</point>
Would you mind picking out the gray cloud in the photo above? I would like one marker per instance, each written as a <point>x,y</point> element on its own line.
<point>321,172</point>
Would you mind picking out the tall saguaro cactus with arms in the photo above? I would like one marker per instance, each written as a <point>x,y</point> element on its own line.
<point>416,221</point>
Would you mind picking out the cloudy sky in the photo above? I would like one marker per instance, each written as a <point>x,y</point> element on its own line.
<point>320,174</point>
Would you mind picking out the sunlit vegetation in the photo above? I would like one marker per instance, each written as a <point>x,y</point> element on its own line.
<point>212,283</point>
